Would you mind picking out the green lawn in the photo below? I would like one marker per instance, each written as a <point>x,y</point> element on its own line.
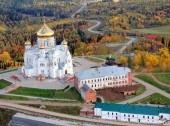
<point>140,90</point>
<point>149,80</point>
<point>4,83</point>
<point>156,30</point>
<point>72,94</point>
<point>165,78</point>
<point>7,97</point>
<point>46,93</point>
<point>93,59</point>
<point>154,99</point>
<point>71,110</point>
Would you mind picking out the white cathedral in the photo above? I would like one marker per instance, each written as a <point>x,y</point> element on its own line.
<point>46,58</point>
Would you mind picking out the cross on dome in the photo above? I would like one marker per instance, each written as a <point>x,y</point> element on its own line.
<point>45,31</point>
<point>64,42</point>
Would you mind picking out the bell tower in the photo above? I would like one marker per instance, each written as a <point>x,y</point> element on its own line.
<point>64,42</point>
<point>27,45</point>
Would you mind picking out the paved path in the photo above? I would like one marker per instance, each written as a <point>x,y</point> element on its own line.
<point>114,44</point>
<point>78,11</point>
<point>149,90</point>
<point>131,40</point>
<point>92,29</point>
<point>41,112</point>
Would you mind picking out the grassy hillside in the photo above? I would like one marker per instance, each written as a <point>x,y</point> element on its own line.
<point>156,30</point>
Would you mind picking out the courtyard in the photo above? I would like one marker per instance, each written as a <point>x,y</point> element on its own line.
<point>79,64</point>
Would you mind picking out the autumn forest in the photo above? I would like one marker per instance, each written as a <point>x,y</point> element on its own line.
<point>20,20</point>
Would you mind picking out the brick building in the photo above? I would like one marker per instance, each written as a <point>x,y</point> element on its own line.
<point>102,77</point>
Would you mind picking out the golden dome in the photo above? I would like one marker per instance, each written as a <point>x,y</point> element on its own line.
<point>45,31</point>
<point>64,42</point>
<point>27,43</point>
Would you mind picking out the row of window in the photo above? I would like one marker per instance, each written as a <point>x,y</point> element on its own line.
<point>112,113</point>
<point>42,64</point>
<point>118,82</point>
<point>131,116</point>
<point>111,83</point>
<point>104,79</point>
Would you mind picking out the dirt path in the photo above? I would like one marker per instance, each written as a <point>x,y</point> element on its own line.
<point>42,103</point>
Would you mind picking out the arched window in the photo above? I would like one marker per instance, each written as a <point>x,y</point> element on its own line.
<point>42,64</point>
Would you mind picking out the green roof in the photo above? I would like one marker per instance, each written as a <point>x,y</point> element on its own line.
<point>135,109</point>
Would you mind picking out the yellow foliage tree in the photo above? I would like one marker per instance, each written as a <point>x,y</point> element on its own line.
<point>151,61</point>
<point>5,57</point>
<point>112,38</point>
<point>137,60</point>
<point>164,58</point>
<point>123,60</point>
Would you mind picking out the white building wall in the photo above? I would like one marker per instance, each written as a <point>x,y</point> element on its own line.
<point>46,42</point>
<point>97,111</point>
<point>148,118</point>
<point>165,116</point>
<point>109,81</point>
<point>110,115</point>
<point>129,117</point>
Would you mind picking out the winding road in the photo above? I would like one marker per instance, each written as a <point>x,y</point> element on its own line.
<point>92,28</point>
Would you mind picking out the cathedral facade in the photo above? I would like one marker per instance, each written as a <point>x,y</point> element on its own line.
<point>46,58</point>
